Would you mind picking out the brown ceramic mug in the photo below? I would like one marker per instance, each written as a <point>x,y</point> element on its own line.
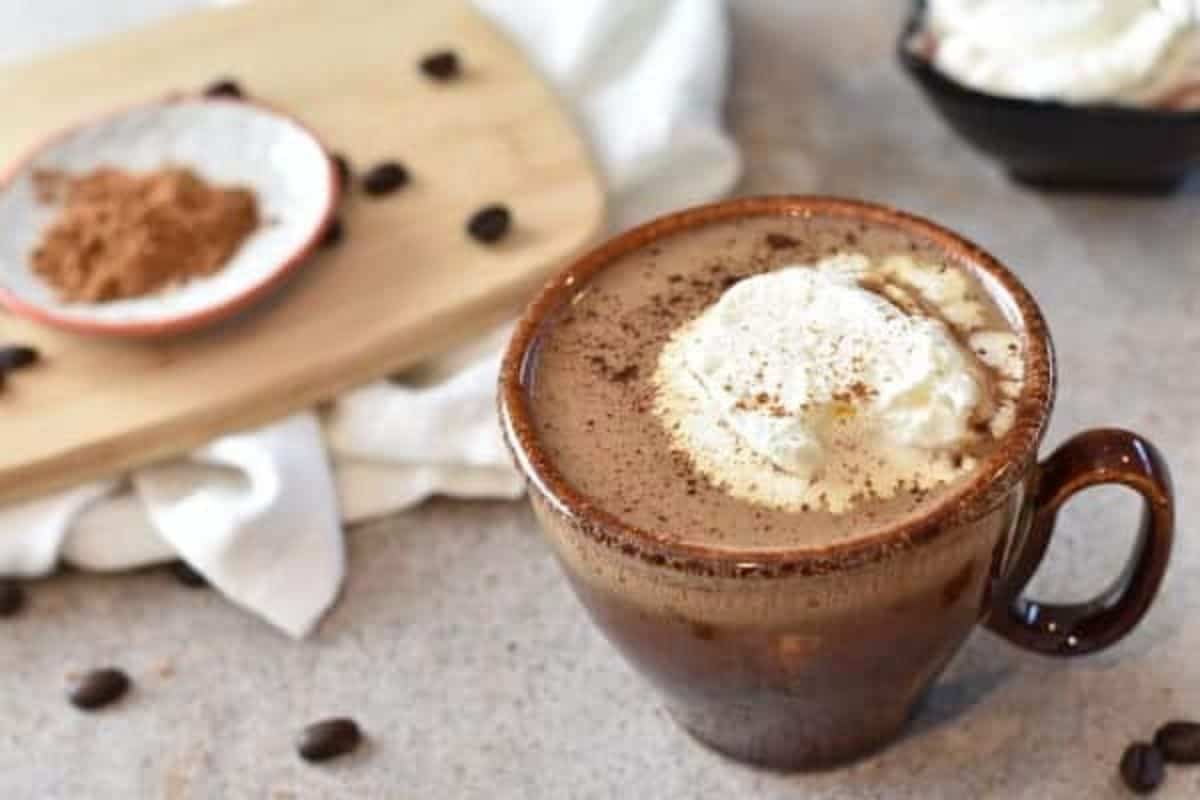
<point>799,658</point>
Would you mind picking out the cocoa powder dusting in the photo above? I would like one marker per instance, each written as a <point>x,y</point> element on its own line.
<point>120,234</point>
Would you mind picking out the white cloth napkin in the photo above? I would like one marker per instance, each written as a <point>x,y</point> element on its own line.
<point>260,514</point>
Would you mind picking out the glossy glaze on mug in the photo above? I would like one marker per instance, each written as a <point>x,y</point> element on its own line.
<point>802,657</point>
<point>794,671</point>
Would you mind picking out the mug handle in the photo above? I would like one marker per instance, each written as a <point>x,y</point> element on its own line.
<point>1091,458</point>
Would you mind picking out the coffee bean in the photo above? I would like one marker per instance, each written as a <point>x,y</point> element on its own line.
<point>1142,768</point>
<point>341,165</point>
<point>328,739</point>
<point>12,598</point>
<point>333,233</point>
<point>187,576</point>
<point>98,688</point>
<point>226,87</point>
<point>489,224</point>
<point>441,66</point>
<point>1179,742</point>
<point>385,178</point>
<point>17,356</point>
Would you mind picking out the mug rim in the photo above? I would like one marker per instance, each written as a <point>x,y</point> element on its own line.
<point>994,478</point>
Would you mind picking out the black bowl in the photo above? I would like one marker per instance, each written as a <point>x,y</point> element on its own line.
<point>1054,145</point>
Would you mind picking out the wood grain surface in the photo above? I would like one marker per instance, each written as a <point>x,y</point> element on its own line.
<point>406,281</point>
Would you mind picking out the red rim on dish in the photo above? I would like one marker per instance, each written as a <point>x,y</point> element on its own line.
<point>220,309</point>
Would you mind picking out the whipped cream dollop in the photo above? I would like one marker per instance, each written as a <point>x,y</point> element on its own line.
<point>801,388</point>
<point>1077,51</point>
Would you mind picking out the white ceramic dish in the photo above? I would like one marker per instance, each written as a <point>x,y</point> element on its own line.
<point>225,141</point>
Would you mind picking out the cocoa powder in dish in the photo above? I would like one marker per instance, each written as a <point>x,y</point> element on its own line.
<point>121,234</point>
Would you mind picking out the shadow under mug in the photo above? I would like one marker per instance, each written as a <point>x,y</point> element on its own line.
<point>803,658</point>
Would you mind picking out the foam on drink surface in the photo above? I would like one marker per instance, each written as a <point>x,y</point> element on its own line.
<point>821,384</point>
<point>900,355</point>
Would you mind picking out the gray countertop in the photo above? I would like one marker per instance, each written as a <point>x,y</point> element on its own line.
<point>473,669</point>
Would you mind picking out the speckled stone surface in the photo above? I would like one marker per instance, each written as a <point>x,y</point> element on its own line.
<point>474,672</point>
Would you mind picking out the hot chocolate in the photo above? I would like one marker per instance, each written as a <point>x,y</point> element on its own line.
<point>775,381</point>
<point>785,450</point>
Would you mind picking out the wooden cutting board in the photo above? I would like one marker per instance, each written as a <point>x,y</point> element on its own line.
<point>406,281</point>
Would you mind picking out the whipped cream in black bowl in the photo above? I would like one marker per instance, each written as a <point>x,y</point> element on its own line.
<point>1063,120</point>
